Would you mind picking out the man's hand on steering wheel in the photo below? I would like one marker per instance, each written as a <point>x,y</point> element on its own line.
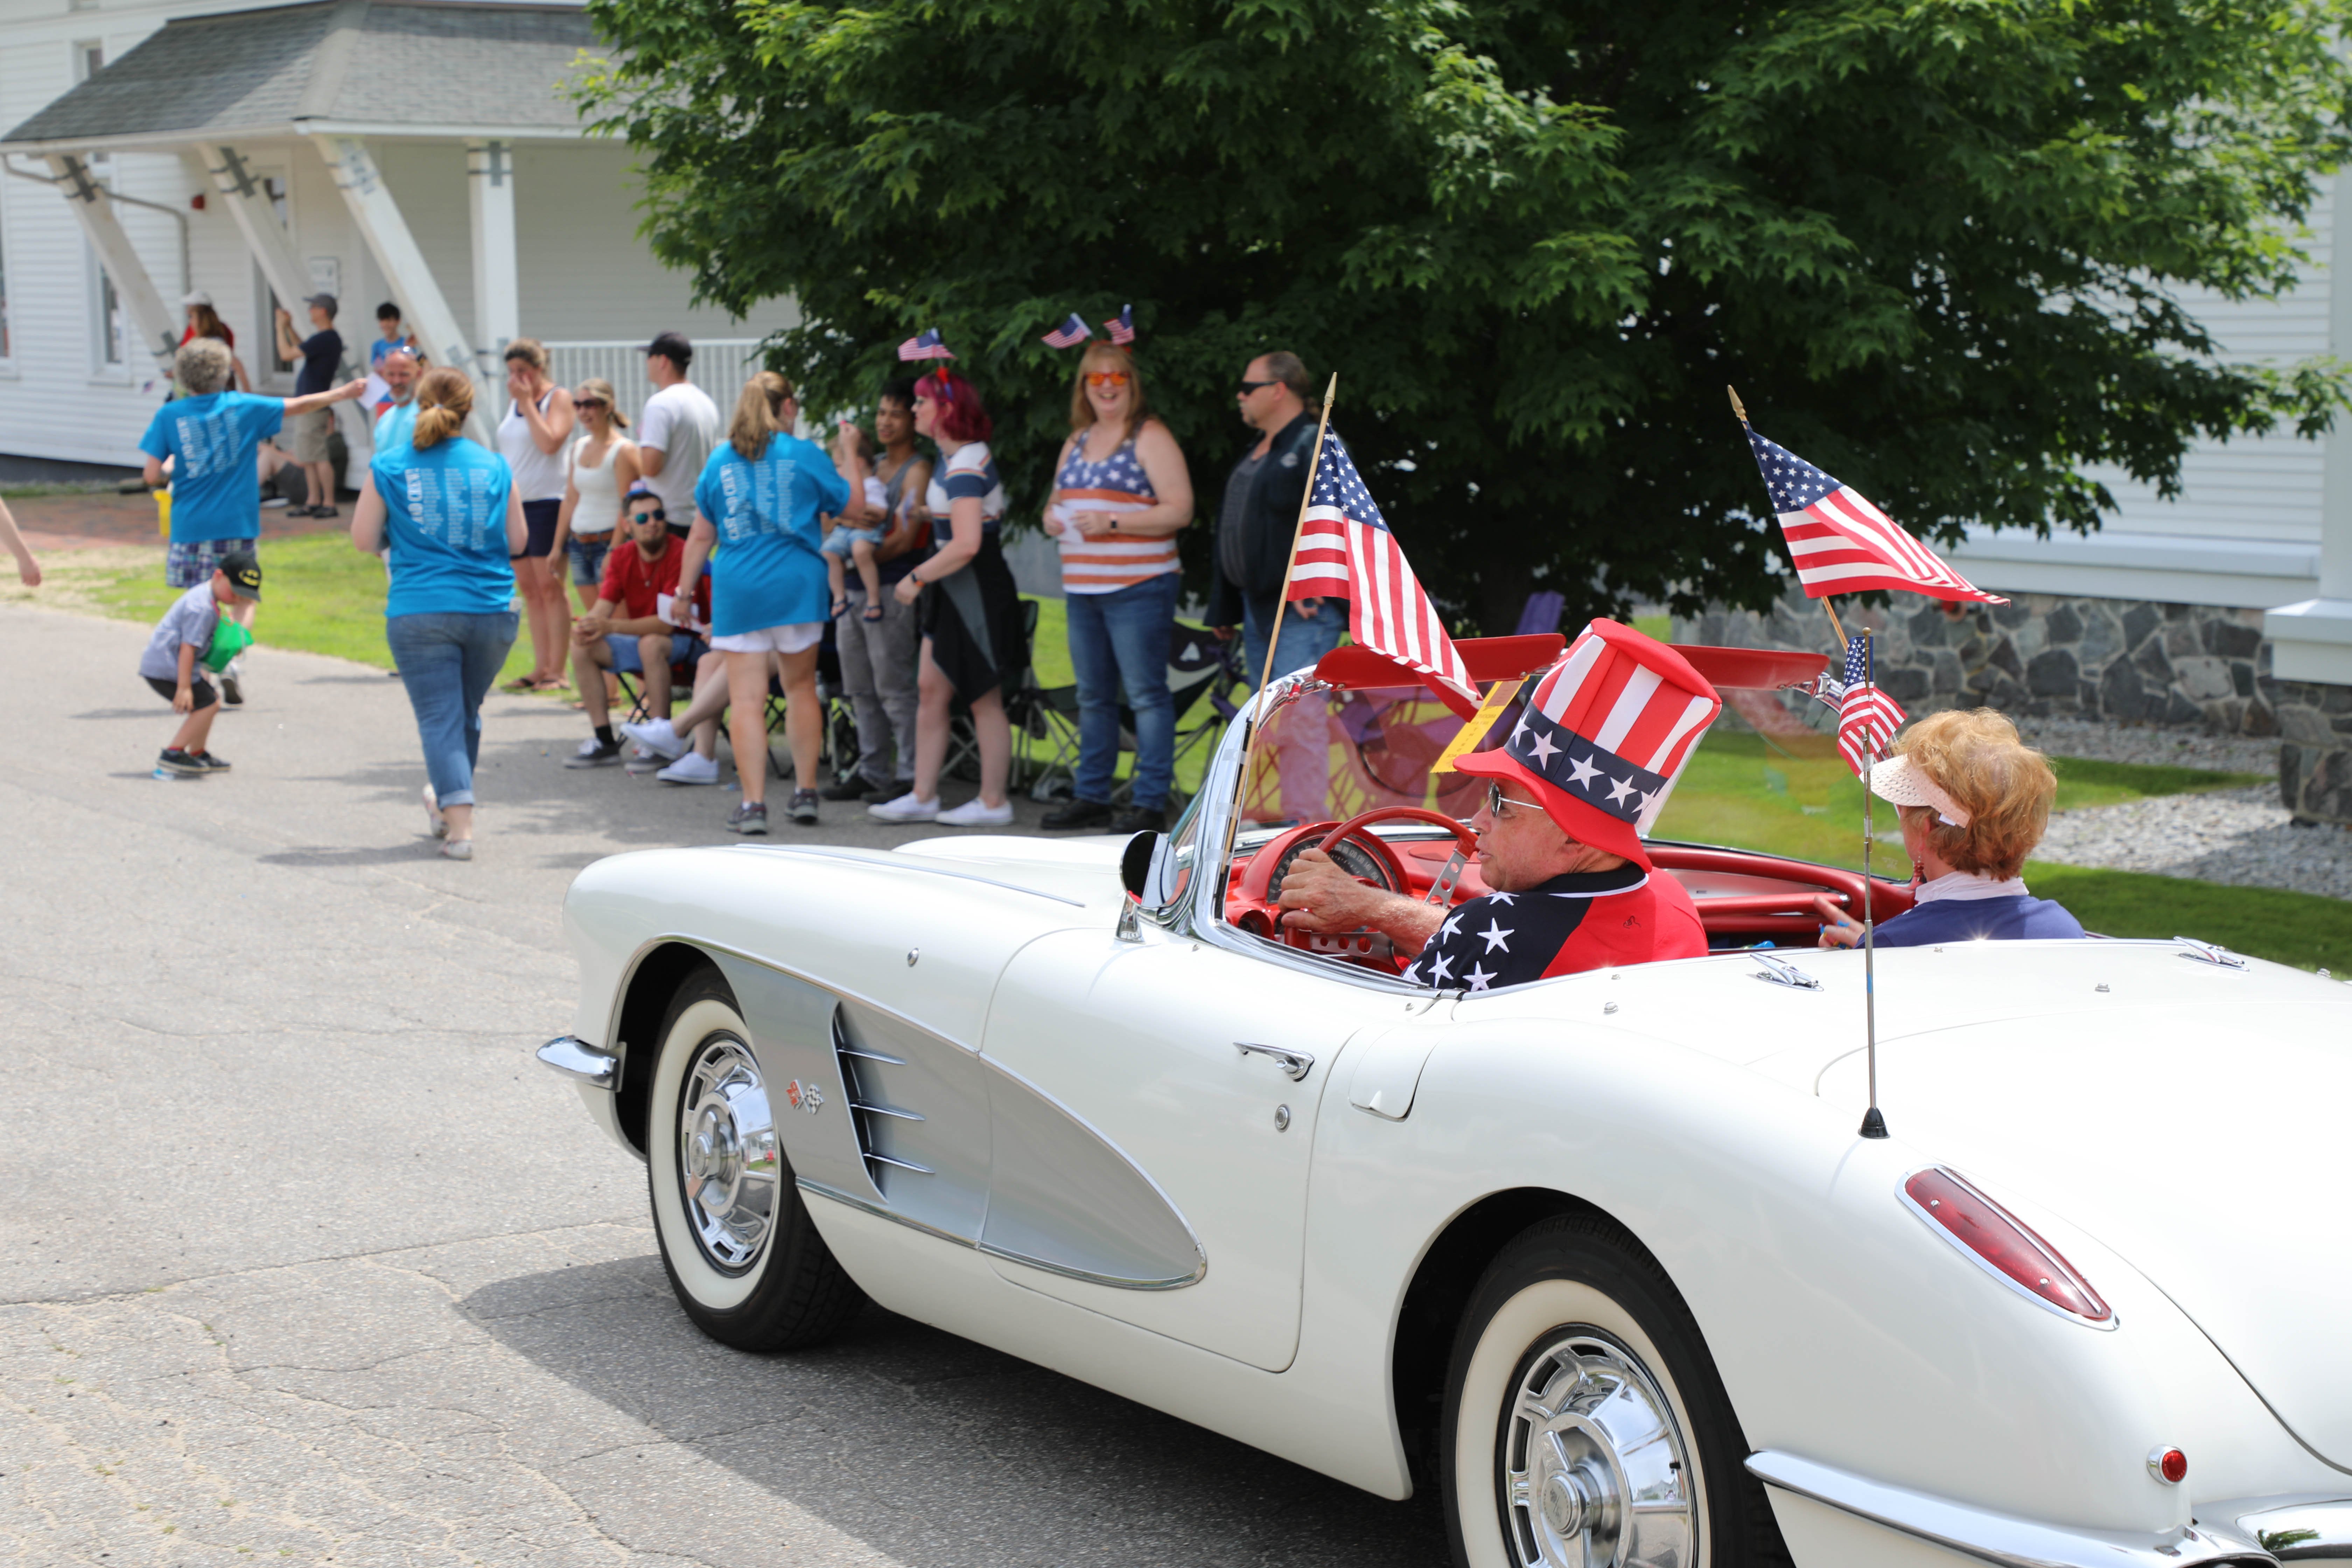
<point>1318,895</point>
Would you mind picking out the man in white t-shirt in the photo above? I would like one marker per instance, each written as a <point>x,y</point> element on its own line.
<point>676,430</point>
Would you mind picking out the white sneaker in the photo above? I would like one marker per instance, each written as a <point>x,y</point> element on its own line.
<point>655,735</point>
<point>433,817</point>
<point>972,814</point>
<point>906,809</point>
<point>693,768</point>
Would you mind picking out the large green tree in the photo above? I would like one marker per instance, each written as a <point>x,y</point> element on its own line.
<point>1939,246</point>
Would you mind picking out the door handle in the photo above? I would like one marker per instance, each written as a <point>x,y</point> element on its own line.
<point>1296,1063</point>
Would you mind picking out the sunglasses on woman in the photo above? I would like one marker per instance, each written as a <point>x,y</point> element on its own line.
<point>1106,378</point>
<point>1496,800</point>
<point>587,402</point>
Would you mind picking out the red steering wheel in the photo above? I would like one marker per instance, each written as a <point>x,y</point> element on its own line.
<point>1260,894</point>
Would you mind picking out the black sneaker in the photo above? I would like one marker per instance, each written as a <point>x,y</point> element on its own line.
<point>211,763</point>
<point>803,807</point>
<point>175,761</point>
<point>850,788</point>
<point>1079,814</point>
<point>1137,820</point>
<point>748,818</point>
<point>594,753</point>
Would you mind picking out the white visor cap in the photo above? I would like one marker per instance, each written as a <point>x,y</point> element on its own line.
<point>1902,781</point>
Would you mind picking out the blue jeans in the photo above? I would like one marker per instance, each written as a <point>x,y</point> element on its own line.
<point>447,660</point>
<point>1119,641</point>
<point>1304,642</point>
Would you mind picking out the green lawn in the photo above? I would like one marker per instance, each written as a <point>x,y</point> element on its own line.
<point>1796,797</point>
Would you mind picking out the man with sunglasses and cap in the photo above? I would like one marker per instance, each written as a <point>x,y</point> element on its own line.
<point>1250,553</point>
<point>625,629</point>
<point>1589,763</point>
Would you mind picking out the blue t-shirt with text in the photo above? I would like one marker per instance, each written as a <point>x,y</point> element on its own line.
<point>769,570</point>
<point>445,516</point>
<point>216,491</point>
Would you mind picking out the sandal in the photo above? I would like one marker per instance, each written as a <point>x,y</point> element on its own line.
<point>872,612</point>
<point>550,683</point>
<point>521,683</point>
<point>840,607</point>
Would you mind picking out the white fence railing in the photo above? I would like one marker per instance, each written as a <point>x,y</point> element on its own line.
<point>720,367</point>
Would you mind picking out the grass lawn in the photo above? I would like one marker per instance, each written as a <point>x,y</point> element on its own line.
<point>1795,796</point>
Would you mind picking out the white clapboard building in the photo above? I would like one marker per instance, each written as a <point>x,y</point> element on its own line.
<point>420,153</point>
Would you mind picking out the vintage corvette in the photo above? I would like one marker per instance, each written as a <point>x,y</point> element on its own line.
<point>1602,1258</point>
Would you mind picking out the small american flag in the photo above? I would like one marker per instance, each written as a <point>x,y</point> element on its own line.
<point>1069,334</point>
<point>1867,717</point>
<point>1121,326</point>
<point>1345,548</point>
<point>924,345</point>
<point>1841,543</point>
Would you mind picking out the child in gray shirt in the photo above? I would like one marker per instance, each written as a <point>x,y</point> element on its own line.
<point>182,637</point>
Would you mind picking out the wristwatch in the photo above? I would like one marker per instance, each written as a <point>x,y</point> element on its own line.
<point>1114,525</point>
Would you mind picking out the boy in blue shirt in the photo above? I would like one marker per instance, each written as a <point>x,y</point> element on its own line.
<point>183,637</point>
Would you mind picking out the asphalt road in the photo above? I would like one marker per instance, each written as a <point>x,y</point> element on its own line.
<point>303,1257</point>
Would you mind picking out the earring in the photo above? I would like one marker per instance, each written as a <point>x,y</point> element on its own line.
<point>1918,872</point>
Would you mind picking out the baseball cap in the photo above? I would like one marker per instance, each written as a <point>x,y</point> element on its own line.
<point>243,570</point>
<point>195,297</point>
<point>324,301</point>
<point>641,493</point>
<point>672,346</point>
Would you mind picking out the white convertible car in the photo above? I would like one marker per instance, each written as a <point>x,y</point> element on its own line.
<point>1601,1256</point>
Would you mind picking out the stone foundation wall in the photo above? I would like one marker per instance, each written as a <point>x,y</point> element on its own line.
<point>2127,661</point>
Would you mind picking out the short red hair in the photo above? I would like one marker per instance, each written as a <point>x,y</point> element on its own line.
<point>961,415</point>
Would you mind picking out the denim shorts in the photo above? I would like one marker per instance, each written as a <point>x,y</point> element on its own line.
<point>839,542</point>
<point>684,647</point>
<point>588,557</point>
<point>187,562</point>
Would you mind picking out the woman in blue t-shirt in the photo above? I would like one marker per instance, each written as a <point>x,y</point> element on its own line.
<point>757,503</point>
<point>448,507</point>
<point>1974,800</point>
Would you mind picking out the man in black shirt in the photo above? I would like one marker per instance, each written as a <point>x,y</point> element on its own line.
<point>1258,519</point>
<point>322,355</point>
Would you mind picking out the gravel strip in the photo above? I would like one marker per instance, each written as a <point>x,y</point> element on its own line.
<point>2241,837</point>
<point>2139,744</point>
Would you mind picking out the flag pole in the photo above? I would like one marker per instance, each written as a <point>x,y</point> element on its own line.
<point>1281,609</point>
<point>1873,1125</point>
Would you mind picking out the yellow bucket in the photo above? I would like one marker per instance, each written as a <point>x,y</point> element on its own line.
<point>164,514</point>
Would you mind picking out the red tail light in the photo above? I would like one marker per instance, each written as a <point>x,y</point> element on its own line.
<point>2003,1244</point>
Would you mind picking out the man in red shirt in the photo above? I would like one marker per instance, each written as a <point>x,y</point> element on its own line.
<point>1591,761</point>
<point>625,630</point>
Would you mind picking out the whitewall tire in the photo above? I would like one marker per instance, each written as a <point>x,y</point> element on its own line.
<point>743,1257</point>
<point>1584,1421</point>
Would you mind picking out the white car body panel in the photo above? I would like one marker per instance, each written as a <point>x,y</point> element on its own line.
<point>2148,1129</point>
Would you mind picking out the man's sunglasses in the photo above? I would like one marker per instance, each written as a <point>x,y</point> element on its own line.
<point>643,518</point>
<point>1249,386</point>
<point>1496,800</point>
<point>1108,378</point>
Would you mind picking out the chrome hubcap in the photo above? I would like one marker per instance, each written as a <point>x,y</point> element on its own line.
<point>727,1154</point>
<point>1596,1470</point>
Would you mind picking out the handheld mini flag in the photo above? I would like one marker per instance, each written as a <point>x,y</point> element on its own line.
<point>1121,327</point>
<point>1841,543</point>
<point>1345,548</point>
<point>925,344</point>
<point>1069,334</point>
<point>1867,717</point>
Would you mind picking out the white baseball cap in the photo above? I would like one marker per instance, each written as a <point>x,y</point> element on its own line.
<point>195,297</point>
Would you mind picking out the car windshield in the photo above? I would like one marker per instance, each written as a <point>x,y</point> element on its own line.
<point>1327,755</point>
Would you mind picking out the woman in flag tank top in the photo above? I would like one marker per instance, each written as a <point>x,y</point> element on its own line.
<point>1975,800</point>
<point>970,612</point>
<point>1121,495</point>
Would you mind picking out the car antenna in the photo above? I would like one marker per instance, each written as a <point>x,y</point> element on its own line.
<point>1873,1125</point>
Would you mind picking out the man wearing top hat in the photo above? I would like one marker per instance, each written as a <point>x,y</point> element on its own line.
<point>1590,763</point>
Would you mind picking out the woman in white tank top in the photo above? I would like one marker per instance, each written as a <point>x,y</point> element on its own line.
<point>532,437</point>
<point>594,466</point>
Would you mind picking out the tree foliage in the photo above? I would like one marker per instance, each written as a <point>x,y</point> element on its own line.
<point>1939,246</point>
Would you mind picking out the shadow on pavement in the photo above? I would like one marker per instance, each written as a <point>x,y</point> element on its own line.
<point>937,1450</point>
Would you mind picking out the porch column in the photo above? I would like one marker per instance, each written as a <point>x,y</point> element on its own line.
<point>380,223</point>
<point>498,276</point>
<point>156,325</point>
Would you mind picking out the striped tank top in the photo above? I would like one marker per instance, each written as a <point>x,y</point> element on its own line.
<point>1107,562</point>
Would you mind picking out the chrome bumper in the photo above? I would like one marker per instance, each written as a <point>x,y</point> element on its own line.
<point>576,1058</point>
<point>2006,1538</point>
<point>2295,1528</point>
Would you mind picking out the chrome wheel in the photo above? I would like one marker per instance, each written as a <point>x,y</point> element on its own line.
<point>1596,1470</point>
<point>727,1163</point>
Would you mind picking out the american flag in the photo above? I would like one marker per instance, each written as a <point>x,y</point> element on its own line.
<point>1841,543</point>
<point>1867,718</point>
<point>1122,326</point>
<point>924,345</point>
<point>1070,333</point>
<point>1345,549</point>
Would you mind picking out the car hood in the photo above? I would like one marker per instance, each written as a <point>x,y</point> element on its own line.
<point>2194,1136</point>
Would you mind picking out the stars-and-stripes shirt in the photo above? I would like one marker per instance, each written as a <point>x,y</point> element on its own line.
<point>1588,919</point>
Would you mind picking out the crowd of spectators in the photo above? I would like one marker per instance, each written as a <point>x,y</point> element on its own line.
<point>709,556</point>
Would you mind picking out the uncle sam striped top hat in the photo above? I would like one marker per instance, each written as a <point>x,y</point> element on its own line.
<point>1605,732</point>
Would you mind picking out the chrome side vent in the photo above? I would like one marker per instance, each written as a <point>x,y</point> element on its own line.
<point>870,1113</point>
